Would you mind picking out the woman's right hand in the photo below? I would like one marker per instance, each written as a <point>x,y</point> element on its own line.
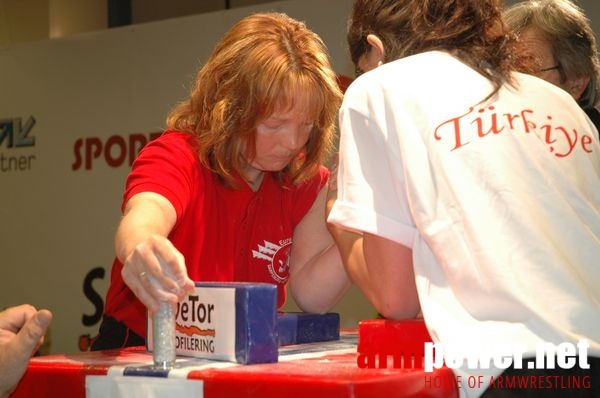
<point>152,267</point>
<point>155,271</point>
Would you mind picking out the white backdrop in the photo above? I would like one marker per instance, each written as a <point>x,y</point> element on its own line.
<point>73,114</point>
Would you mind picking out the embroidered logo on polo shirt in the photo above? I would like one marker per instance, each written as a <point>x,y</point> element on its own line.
<point>278,257</point>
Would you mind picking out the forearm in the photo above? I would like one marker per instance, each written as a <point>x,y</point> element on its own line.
<point>317,276</point>
<point>387,280</point>
<point>391,267</point>
<point>146,215</point>
<point>131,232</point>
<point>152,267</point>
<point>321,283</point>
<point>350,247</point>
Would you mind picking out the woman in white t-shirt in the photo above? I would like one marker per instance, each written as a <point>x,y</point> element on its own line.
<point>468,191</point>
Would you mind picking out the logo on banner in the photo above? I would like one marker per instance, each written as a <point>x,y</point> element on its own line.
<point>15,134</point>
<point>115,151</point>
<point>96,300</point>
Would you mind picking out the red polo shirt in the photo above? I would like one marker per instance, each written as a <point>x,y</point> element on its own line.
<point>224,234</point>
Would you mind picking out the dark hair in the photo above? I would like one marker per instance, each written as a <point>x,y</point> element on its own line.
<point>472,30</point>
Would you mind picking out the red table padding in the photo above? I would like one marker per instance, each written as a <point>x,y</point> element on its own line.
<point>331,376</point>
<point>328,376</point>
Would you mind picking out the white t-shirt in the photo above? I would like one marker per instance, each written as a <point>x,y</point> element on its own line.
<point>498,200</point>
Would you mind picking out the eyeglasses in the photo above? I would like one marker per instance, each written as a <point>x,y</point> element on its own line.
<point>550,68</point>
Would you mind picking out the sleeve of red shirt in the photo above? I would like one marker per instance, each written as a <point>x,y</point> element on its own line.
<point>167,166</point>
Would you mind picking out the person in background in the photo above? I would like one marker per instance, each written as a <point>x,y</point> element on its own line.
<point>235,189</point>
<point>558,37</point>
<point>22,331</point>
<point>468,190</point>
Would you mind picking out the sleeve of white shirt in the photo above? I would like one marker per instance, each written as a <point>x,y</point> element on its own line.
<point>370,195</point>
